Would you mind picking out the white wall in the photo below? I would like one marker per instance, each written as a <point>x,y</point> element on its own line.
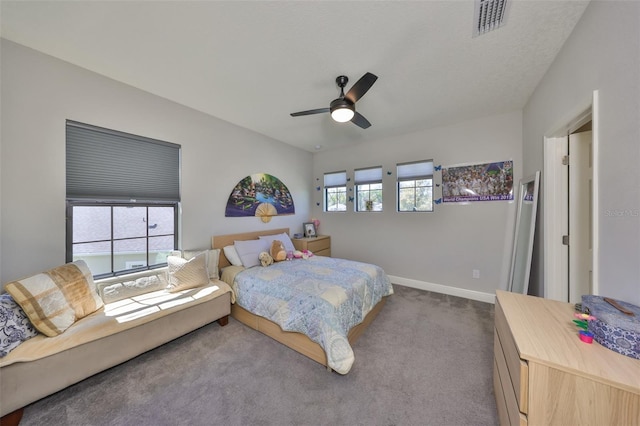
<point>40,92</point>
<point>602,53</point>
<point>436,250</point>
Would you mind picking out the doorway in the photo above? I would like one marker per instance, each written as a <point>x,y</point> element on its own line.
<point>570,208</point>
<point>580,236</point>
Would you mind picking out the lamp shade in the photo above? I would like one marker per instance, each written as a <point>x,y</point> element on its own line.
<point>341,110</point>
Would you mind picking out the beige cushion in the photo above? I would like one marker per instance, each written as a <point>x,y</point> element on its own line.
<point>184,274</point>
<point>55,299</point>
<point>212,260</point>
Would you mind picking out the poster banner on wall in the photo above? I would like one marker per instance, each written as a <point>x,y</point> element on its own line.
<point>478,182</point>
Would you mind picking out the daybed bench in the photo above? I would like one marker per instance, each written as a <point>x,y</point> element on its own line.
<point>139,314</point>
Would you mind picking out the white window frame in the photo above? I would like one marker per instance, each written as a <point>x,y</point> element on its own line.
<point>414,172</point>
<point>335,185</point>
<point>368,181</point>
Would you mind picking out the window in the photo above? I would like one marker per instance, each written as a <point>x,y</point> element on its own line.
<point>369,189</point>
<point>122,237</point>
<point>415,186</point>
<point>335,192</point>
<point>122,199</point>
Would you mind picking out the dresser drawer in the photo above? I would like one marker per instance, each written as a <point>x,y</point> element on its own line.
<point>507,405</point>
<point>501,403</point>
<point>325,252</point>
<point>517,368</point>
<point>320,246</point>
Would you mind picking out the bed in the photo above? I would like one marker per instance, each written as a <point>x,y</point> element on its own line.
<point>359,289</point>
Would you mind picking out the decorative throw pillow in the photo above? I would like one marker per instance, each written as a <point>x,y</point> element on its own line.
<point>284,238</point>
<point>212,260</point>
<point>250,250</point>
<point>15,326</point>
<point>133,287</point>
<point>232,255</point>
<point>184,274</point>
<point>55,299</point>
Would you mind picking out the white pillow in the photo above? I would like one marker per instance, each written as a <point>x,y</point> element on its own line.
<point>284,238</point>
<point>184,274</point>
<point>132,287</point>
<point>212,260</point>
<point>232,255</point>
<point>250,250</point>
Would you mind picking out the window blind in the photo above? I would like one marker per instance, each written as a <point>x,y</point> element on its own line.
<point>105,164</point>
<point>332,180</point>
<point>415,170</point>
<point>369,175</point>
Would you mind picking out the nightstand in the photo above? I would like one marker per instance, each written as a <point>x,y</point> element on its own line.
<point>320,245</point>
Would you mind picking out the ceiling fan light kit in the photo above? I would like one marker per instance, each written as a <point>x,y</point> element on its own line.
<point>343,109</point>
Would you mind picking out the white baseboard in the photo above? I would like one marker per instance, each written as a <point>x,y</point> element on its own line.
<point>444,289</point>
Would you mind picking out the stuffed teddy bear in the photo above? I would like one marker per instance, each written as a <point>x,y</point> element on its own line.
<point>265,259</point>
<point>277,251</point>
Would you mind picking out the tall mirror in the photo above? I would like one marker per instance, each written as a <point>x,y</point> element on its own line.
<point>523,234</point>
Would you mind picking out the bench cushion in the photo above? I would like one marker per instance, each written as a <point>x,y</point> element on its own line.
<point>55,299</point>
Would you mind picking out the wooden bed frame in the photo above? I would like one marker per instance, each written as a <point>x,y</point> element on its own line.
<point>296,341</point>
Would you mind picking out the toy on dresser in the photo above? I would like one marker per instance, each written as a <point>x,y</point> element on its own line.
<point>582,322</point>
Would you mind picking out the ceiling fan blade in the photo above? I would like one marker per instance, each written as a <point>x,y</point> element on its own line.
<point>309,112</point>
<point>361,87</point>
<point>359,120</point>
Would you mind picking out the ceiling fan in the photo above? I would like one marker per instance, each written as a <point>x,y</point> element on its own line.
<point>343,109</point>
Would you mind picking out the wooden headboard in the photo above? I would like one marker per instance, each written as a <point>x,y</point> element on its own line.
<point>220,241</point>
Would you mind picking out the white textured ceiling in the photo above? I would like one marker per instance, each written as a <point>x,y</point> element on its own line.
<point>253,63</point>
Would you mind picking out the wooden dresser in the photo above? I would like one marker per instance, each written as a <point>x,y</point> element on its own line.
<point>543,374</point>
<point>320,245</point>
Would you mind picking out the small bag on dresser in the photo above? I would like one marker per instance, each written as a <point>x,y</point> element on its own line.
<point>612,328</point>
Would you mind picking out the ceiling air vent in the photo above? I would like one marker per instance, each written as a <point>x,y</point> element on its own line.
<point>488,15</point>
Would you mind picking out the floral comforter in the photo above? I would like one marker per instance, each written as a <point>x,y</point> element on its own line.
<point>321,297</point>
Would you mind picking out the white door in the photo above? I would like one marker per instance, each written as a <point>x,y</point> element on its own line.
<point>555,192</point>
<point>580,216</point>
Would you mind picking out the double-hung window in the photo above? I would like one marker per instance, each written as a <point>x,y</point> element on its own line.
<point>123,194</point>
<point>368,183</point>
<point>335,192</point>
<point>415,186</point>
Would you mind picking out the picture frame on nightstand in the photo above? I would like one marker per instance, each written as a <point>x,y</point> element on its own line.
<point>309,229</point>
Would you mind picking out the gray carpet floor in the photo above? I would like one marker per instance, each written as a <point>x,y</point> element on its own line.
<point>426,360</point>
